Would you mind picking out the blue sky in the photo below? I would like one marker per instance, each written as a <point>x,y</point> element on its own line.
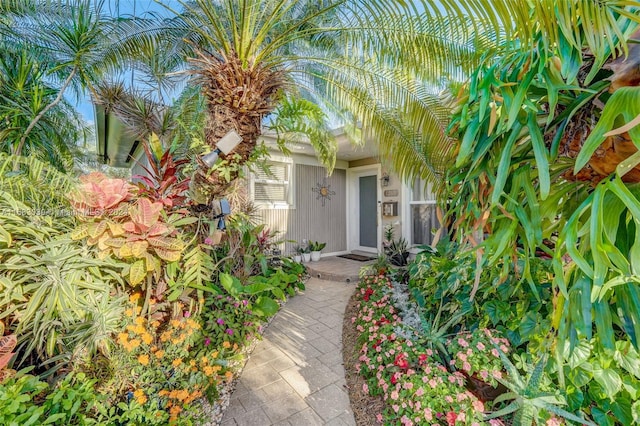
<point>132,8</point>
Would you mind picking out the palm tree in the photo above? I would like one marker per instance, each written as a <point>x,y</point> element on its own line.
<point>69,46</point>
<point>354,58</point>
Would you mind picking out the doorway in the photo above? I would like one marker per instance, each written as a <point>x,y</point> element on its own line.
<point>363,209</point>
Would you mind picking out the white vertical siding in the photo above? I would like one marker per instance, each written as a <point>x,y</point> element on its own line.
<point>309,219</point>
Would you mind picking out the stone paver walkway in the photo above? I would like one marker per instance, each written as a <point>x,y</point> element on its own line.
<point>295,375</point>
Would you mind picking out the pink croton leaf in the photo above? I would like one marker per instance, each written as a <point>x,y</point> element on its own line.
<point>98,195</point>
<point>158,229</point>
<point>145,214</point>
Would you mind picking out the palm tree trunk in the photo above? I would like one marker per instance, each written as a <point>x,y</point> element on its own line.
<point>238,98</point>
<point>18,150</point>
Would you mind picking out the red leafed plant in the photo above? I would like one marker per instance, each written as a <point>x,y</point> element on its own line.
<point>162,182</point>
<point>7,344</point>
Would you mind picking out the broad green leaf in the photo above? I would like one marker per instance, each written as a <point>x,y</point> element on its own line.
<point>541,155</point>
<point>265,306</point>
<point>505,164</point>
<point>609,380</point>
<point>231,284</point>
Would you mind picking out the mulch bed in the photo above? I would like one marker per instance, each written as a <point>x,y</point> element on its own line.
<point>364,406</point>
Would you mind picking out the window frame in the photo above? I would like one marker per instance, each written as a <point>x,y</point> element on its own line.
<point>421,202</point>
<point>289,187</point>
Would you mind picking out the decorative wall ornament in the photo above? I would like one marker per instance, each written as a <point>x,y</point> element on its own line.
<point>324,191</point>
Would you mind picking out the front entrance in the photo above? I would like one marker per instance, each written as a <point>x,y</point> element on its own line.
<point>363,214</point>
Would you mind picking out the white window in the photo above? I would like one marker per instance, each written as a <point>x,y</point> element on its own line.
<point>423,217</point>
<point>273,187</point>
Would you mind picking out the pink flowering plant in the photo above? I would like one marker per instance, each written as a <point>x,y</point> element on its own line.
<point>418,388</point>
<point>475,354</point>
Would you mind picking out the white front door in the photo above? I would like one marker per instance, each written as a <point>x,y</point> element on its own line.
<point>363,215</point>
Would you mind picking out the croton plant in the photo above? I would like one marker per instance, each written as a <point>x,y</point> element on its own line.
<point>134,231</point>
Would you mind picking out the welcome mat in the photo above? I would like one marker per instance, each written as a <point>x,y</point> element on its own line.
<point>358,257</point>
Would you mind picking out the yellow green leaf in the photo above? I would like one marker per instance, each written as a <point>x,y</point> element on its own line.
<point>137,272</point>
<point>168,255</point>
<point>139,248</point>
<point>80,233</point>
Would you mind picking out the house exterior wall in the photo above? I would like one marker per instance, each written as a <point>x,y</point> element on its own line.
<point>395,193</point>
<point>309,218</point>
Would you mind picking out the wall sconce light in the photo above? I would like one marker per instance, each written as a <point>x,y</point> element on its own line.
<point>384,180</point>
<point>225,145</point>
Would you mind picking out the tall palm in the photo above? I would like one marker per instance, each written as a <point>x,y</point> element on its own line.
<point>71,43</point>
<point>23,94</point>
<point>355,58</point>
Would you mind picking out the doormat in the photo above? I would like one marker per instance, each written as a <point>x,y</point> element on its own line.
<point>358,257</point>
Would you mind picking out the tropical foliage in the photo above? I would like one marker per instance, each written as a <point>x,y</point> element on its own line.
<point>255,59</point>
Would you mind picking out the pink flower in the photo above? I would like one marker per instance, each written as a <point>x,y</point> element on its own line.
<point>462,343</point>
<point>406,421</point>
<point>408,385</point>
<point>187,314</point>
<point>553,421</point>
<point>433,383</point>
<point>365,388</point>
<point>395,407</point>
<point>462,356</point>
<point>428,414</point>
<point>478,406</point>
<point>420,392</point>
<point>484,374</point>
<point>466,366</point>
<point>448,398</point>
<point>394,396</point>
<point>379,418</point>
<point>451,418</point>
<point>495,353</point>
<point>480,346</point>
<point>208,241</point>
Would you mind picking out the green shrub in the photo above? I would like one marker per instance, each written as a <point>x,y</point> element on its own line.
<point>26,400</point>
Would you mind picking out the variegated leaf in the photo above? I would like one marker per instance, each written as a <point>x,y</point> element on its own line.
<point>115,242</point>
<point>80,233</point>
<point>139,248</point>
<point>137,272</point>
<point>145,213</point>
<point>97,229</point>
<point>116,229</point>
<point>159,229</point>
<point>153,263</point>
<point>166,243</point>
<point>168,255</point>
<point>125,251</point>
